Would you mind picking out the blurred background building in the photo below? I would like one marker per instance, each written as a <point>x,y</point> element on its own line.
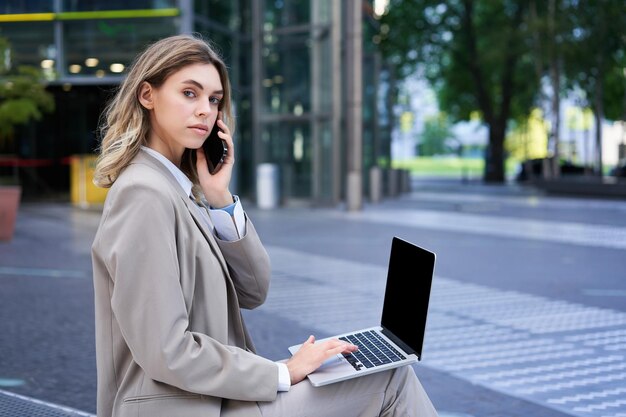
<point>308,83</point>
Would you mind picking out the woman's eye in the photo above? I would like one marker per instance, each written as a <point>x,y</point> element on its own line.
<point>189,93</point>
<point>215,100</point>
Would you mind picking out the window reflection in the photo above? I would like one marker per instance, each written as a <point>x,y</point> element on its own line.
<point>107,47</point>
<point>26,6</point>
<point>289,145</point>
<point>286,82</point>
<point>98,5</point>
<point>287,12</point>
<point>31,43</point>
<point>47,6</point>
<point>222,13</point>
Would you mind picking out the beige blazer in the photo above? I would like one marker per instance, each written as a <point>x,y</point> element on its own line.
<point>170,339</point>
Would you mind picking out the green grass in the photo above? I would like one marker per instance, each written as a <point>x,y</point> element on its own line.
<point>450,166</point>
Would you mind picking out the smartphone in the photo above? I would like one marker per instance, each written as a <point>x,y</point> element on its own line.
<point>215,150</point>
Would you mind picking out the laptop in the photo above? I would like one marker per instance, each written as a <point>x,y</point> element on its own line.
<point>398,340</point>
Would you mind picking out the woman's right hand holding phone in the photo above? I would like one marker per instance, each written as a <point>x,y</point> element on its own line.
<point>215,186</point>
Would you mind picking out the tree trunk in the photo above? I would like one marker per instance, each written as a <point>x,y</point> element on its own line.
<point>555,76</point>
<point>556,118</point>
<point>494,154</point>
<point>598,112</point>
<point>495,116</point>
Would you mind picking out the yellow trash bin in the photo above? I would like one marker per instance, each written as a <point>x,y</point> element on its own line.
<point>84,192</point>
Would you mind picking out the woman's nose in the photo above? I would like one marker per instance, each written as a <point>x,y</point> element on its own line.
<point>203,109</point>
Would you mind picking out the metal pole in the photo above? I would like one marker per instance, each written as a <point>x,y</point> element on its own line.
<point>316,67</point>
<point>354,104</point>
<point>257,37</point>
<point>336,100</point>
<point>59,59</point>
<point>186,16</point>
<point>376,115</point>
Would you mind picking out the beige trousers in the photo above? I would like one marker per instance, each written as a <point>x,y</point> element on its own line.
<point>397,392</point>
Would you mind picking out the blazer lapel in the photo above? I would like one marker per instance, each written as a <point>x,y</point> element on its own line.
<point>194,210</point>
<point>237,330</point>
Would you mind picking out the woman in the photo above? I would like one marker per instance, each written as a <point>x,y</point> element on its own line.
<point>175,258</point>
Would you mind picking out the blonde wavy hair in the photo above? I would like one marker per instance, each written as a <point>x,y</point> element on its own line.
<point>125,123</point>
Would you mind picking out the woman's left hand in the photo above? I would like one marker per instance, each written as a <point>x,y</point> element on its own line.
<point>215,186</point>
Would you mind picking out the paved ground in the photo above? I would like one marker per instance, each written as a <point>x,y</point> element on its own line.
<point>528,315</point>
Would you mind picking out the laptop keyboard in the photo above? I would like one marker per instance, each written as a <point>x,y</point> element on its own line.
<point>373,350</point>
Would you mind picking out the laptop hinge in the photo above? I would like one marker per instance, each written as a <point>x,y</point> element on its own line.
<point>400,343</point>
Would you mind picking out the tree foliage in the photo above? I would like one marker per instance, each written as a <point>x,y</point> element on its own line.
<point>596,59</point>
<point>491,56</point>
<point>23,97</point>
<point>437,137</point>
<point>476,55</point>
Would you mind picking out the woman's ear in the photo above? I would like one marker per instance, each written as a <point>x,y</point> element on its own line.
<point>145,95</point>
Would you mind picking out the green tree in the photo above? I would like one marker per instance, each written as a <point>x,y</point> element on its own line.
<point>476,54</point>
<point>596,64</point>
<point>23,97</point>
<point>549,23</point>
<point>437,137</point>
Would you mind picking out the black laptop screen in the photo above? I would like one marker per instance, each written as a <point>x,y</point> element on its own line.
<point>407,293</point>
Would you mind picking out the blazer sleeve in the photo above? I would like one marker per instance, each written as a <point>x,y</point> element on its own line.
<point>138,243</point>
<point>249,267</point>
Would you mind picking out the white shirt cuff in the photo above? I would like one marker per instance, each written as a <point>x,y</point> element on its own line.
<point>284,380</point>
<point>229,227</point>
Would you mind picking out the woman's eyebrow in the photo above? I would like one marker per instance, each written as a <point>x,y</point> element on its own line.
<point>197,84</point>
<point>193,82</point>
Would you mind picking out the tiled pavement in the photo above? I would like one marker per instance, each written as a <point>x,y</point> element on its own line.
<point>489,350</point>
<point>562,355</point>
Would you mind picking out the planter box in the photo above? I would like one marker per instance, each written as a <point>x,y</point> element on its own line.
<point>9,204</point>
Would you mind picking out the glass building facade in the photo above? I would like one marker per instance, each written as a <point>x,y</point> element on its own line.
<point>288,67</point>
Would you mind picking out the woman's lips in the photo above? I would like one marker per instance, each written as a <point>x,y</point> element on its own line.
<point>200,129</point>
